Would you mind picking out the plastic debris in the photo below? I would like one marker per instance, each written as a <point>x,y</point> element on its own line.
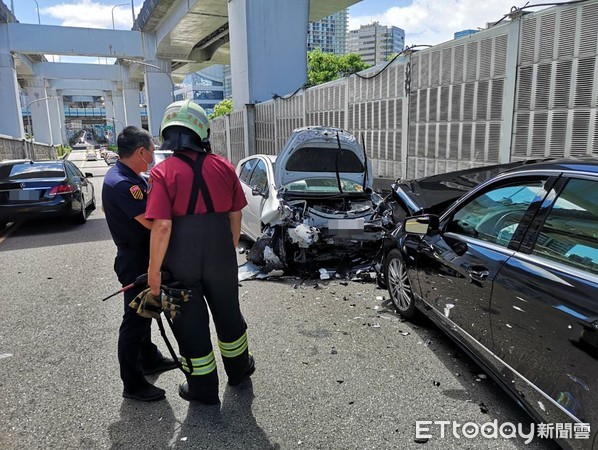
<point>404,333</point>
<point>272,260</point>
<point>5,355</point>
<point>184,439</point>
<point>482,376</point>
<point>447,309</point>
<point>324,275</point>
<point>428,343</point>
<point>248,271</point>
<point>379,298</point>
<point>542,407</point>
<point>483,408</point>
<point>303,235</point>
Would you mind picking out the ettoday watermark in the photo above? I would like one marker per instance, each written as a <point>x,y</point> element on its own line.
<point>425,429</point>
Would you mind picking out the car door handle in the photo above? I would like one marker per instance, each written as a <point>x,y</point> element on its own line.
<point>478,273</point>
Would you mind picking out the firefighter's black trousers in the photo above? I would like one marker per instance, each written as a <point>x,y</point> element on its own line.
<point>202,256</point>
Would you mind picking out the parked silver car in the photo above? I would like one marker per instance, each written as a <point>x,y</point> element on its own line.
<point>313,205</point>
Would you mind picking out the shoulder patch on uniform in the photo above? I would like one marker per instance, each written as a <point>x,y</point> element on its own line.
<point>136,192</point>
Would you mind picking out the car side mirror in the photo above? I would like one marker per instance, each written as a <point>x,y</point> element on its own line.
<point>256,190</point>
<point>88,175</point>
<point>421,225</point>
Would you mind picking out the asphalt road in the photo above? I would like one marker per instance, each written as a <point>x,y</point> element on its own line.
<point>336,367</point>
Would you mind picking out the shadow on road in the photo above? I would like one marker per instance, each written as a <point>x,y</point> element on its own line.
<point>476,385</point>
<point>143,425</point>
<point>231,427</point>
<point>53,232</point>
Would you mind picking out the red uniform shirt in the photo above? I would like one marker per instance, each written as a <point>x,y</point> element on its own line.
<point>171,181</point>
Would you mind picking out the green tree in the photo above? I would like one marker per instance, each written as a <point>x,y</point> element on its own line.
<point>323,67</point>
<point>223,108</point>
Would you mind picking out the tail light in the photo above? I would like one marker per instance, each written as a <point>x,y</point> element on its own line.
<point>62,189</point>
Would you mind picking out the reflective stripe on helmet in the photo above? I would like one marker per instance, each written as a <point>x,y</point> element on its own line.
<point>188,114</point>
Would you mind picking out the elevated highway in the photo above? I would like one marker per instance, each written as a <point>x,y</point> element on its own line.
<point>265,42</point>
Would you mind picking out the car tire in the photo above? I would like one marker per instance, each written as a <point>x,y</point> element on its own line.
<point>81,217</point>
<point>399,285</point>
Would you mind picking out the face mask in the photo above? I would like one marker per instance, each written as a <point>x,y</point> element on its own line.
<point>148,163</point>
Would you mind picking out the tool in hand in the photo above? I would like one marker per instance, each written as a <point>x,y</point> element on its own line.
<point>140,281</point>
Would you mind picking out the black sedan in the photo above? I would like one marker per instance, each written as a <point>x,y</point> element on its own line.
<point>37,189</point>
<point>510,272</point>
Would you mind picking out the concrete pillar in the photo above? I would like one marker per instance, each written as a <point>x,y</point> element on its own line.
<point>158,84</point>
<point>109,109</point>
<point>131,99</point>
<point>119,110</point>
<point>12,115</point>
<point>56,116</point>
<point>38,105</point>
<point>268,47</point>
<point>63,132</point>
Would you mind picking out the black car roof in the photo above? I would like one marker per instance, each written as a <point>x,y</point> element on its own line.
<point>585,164</point>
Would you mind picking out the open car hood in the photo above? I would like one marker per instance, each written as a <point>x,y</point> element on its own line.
<point>313,152</point>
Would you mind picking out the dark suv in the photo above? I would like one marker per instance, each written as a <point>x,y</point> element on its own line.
<point>510,272</point>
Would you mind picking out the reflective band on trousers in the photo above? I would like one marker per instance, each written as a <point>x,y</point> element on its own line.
<point>201,366</point>
<point>232,349</point>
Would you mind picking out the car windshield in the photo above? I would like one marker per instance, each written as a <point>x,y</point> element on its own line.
<point>27,170</point>
<point>326,185</point>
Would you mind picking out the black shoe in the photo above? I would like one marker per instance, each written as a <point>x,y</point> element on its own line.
<point>146,393</point>
<point>186,395</point>
<point>161,365</point>
<point>238,380</point>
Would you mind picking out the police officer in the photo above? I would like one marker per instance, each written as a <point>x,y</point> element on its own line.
<point>195,200</point>
<point>124,201</point>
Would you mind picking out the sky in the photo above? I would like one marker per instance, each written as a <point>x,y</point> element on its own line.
<point>426,22</point>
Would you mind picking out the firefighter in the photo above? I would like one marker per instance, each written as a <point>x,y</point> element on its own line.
<point>195,201</point>
<point>124,201</point>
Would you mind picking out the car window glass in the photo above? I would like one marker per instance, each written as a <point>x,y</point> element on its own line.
<point>70,171</point>
<point>570,233</point>
<point>22,171</point>
<point>74,170</point>
<point>259,177</point>
<point>494,215</point>
<point>246,170</point>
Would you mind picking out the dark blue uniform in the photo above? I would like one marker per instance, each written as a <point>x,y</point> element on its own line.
<point>124,197</point>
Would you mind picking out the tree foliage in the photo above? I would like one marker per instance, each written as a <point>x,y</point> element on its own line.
<point>223,108</point>
<point>323,67</point>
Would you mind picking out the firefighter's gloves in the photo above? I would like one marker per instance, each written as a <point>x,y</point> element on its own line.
<point>147,304</point>
<point>172,299</point>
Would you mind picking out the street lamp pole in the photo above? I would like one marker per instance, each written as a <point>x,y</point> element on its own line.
<point>143,63</point>
<point>133,13</point>
<point>39,22</point>
<point>30,117</point>
<point>116,6</point>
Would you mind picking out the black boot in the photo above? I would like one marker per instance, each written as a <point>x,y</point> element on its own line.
<point>144,392</point>
<point>234,381</point>
<point>201,388</point>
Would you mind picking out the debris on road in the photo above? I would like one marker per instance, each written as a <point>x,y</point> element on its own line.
<point>483,408</point>
<point>420,440</point>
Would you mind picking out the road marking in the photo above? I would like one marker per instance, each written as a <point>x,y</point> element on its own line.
<point>9,231</point>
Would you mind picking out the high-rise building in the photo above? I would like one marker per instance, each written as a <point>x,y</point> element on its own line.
<point>375,42</point>
<point>329,34</point>
<point>205,87</point>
